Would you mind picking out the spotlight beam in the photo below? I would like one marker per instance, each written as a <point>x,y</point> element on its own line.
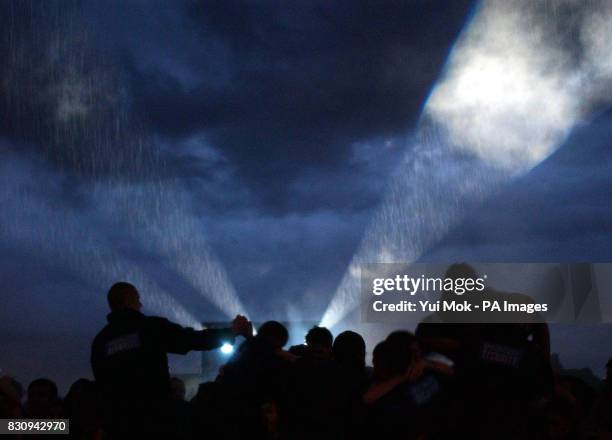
<point>510,94</point>
<point>163,225</point>
<point>79,246</point>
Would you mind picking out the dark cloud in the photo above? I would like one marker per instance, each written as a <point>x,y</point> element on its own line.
<point>279,90</point>
<point>276,90</point>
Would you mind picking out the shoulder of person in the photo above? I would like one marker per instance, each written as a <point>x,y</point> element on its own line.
<point>157,320</point>
<point>101,335</point>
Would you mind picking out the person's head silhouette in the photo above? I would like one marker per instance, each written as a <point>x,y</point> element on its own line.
<point>122,296</point>
<point>381,360</point>
<point>349,349</point>
<point>403,349</point>
<point>461,270</point>
<point>274,334</point>
<point>319,337</point>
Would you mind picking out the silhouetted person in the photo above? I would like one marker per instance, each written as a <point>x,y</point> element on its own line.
<point>256,376</point>
<point>82,407</point>
<point>43,400</point>
<point>599,422</point>
<point>316,389</point>
<point>212,411</point>
<point>501,367</point>
<point>349,350</point>
<point>319,341</point>
<point>410,396</point>
<point>130,362</point>
<point>11,393</point>
<point>381,361</point>
<point>180,409</point>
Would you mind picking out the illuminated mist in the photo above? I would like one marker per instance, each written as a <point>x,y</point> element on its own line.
<point>510,93</point>
<point>82,136</point>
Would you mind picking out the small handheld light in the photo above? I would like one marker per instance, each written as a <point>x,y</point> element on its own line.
<point>227,348</point>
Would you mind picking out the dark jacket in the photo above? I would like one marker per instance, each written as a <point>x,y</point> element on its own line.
<point>129,356</point>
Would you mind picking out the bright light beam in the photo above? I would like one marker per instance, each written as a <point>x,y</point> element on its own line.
<point>513,88</point>
<point>55,234</point>
<point>158,216</point>
<point>85,124</point>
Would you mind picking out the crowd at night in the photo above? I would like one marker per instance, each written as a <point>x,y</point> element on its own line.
<point>443,381</point>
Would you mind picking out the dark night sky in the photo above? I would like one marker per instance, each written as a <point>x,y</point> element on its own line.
<point>275,126</point>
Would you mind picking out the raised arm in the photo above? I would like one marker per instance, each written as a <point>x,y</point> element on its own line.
<point>181,340</point>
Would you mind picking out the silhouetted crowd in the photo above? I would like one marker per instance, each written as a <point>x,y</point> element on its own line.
<point>443,381</point>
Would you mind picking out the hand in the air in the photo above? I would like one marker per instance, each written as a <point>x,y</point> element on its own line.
<point>242,326</point>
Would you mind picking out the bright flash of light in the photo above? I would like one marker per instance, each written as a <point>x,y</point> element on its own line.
<point>513,87</point>
<point>227,348</point>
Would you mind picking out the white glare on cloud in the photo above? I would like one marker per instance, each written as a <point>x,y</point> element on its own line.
<point>514,86</point>
<point>509,93</point>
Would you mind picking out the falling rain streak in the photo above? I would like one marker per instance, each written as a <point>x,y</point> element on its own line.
<point>509,95</point>
<point>55,81</point>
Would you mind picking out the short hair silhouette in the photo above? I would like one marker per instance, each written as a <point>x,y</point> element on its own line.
<point>273,333</point>
<point>349,347</point>
<point>119,293</point>
<point>319,336</point>
<point>381,354</point>
<point>402,349</point>
<point>43,388</point>
<point>461,270</point>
